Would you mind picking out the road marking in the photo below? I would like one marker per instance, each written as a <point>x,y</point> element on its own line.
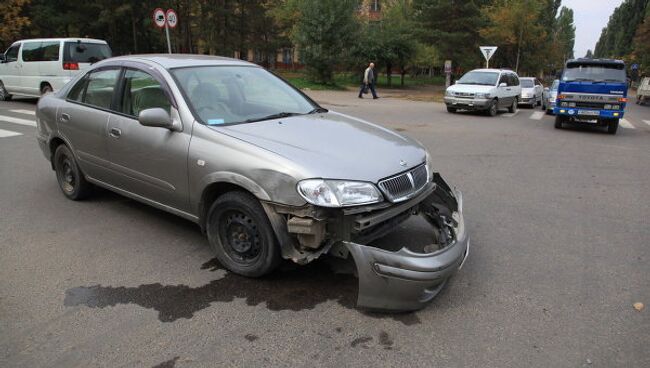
<point>26,112</point>
<point>10,119</point>
<point>8,133</point>
<point>511,114</point>
<point>626,124</point>
<point>538,115</point>
<point>647,122</point>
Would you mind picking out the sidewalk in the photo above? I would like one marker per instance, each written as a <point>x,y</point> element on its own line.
<point>349,96</point>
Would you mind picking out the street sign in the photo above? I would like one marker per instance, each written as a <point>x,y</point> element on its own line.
<point>634,67</point>
<point>172,18</point>
<point>159,17</point>
<point>488,51</point>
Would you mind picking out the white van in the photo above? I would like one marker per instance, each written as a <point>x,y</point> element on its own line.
<point>37,66</point>
<point>643,92</point>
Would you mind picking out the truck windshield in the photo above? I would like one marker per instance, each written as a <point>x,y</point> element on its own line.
<point>594,72</point>
<point>86,52</point>
<point>480,78</point>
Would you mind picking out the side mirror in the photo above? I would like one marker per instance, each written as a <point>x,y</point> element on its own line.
<point>503,85</point>
<point>156,117</point>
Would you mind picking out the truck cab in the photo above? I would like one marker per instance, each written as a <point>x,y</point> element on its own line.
<point>592,92</point>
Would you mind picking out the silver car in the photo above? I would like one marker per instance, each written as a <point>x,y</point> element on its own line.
<point>531,92</point>
<point>264,171</point>
<point>549,96</point>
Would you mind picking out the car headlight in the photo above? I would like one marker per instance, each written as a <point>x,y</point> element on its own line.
<point>429,166</point>
<point>448,93</point>
<point>482,95</point>
<point>338,193</point>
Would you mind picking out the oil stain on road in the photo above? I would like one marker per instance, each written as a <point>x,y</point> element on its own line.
<point>300,288</point>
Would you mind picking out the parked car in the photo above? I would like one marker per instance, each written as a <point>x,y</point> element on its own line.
<point>484,90</point>
<point>549,96</point>
<point>38,66</point>
<point>531,91</point>
<point>643,91</point>
<point>264,170</point>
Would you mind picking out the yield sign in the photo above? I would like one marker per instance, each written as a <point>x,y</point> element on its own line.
<point>488,51</point>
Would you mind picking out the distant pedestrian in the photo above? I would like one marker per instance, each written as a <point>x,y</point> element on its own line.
<point>368,82</point>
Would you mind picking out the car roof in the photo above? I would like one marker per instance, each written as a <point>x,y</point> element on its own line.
<point>532,78</point>
<point>87,40</point>
<point>170,61</point>
<point>494,70</point>
<point>596,61</point>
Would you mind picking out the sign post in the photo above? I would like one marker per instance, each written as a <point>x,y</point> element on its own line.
<point>447,73</point>
<point>488,51</point>
<point>168,20</point>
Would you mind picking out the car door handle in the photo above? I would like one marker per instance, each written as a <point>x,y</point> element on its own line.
<point>64,118</point>
<point>115,132</point>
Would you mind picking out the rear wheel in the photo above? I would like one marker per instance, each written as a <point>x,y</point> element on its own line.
<point>493,109</point>
<point>4,95</point>
<point>513,107</point>
<point>612,126</point>
<point>71,180</point>
<point>451,109</point>
<point>241,235</point>
<point>46,88</point>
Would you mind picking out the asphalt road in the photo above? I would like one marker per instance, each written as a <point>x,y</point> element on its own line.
<point>560,231</point>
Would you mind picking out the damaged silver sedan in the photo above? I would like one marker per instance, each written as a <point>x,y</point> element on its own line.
<point>265,171</point>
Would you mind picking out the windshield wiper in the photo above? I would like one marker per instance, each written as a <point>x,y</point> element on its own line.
<point>318,110</point>
<point>272,116</point>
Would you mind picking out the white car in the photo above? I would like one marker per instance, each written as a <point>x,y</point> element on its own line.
<point>484,90</point>
<point>643,92</point>
<point>37,66</point>
<point>531,91</point>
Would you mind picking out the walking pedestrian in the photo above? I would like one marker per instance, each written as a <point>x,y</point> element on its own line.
<point>368,82</point>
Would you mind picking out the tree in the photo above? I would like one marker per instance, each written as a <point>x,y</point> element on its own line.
<point>324,32</point>
<point>589,54</point>
<point>616,39</point>
<point>13,21</point>
<point>565,34</point>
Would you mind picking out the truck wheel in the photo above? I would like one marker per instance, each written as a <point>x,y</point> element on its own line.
<point>241,235</point>
<point>612,126</point>
<point>559,119</point>
<point>451,109</point>
<point>493,109</point>
<point>4,95</point>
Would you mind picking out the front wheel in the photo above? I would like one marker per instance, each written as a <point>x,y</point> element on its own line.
<point>71,180</point>
<point>493,109</point>
<point>241,235</point>
<point>4,94</point>
<point>612,126</point>
<point>559,119</point>
<point>451,109</point>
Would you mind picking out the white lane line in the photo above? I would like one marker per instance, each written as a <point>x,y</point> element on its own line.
<point>26,112</point>
<point>8,133</point>
<point>537,115</point>
<point>509,115</point>
<point>647,122</point>
<point>626,124</point>
<point>13,120</point>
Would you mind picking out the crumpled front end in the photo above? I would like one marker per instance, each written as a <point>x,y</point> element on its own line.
<point>394,277</point>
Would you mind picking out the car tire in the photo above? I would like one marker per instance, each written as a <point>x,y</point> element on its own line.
<point>451,109</point>
<point>513,108</point>
<point>493,109</point>
<point>241,235</point>
<point>559,119</point>
<point>46,89</point>
<point>612,126</point>
<point>71,179</point>
<point>4,95</point>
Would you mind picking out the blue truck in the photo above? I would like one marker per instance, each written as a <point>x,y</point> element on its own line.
<point>593,92</point>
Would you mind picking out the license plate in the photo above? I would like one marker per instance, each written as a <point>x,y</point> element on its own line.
<point>589,112</point>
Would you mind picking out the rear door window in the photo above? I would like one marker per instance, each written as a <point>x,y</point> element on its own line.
<point>85,52</point>
<point>100,88</point>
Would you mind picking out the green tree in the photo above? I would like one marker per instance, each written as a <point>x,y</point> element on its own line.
<point>324,32</point>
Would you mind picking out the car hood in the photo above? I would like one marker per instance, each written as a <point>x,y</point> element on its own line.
<point>471,88</point>
<point>332,145</point>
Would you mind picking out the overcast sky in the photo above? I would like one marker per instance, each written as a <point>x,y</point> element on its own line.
<point>590,18</point>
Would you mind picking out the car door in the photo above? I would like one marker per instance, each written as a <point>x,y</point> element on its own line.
<point>505,98</point>
<point>514,87</point>
<point>83,120</point>
<point>30,56</point>
<point>539,89</point>
<point>148,161</point>
<point>10,69</point>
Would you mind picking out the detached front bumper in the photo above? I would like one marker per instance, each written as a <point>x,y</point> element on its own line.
<point>406,280</point>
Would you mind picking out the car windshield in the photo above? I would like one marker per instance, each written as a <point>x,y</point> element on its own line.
<point>239,94</point>
<point>594,72</point>
<point>527,83</point>
<point>556,83</point>
<point>480,78</point>
<point>86,52</point>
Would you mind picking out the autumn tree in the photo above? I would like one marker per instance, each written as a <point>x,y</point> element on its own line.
<point>12,21</point>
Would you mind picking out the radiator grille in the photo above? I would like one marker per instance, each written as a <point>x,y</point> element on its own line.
<point>405,185</point>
